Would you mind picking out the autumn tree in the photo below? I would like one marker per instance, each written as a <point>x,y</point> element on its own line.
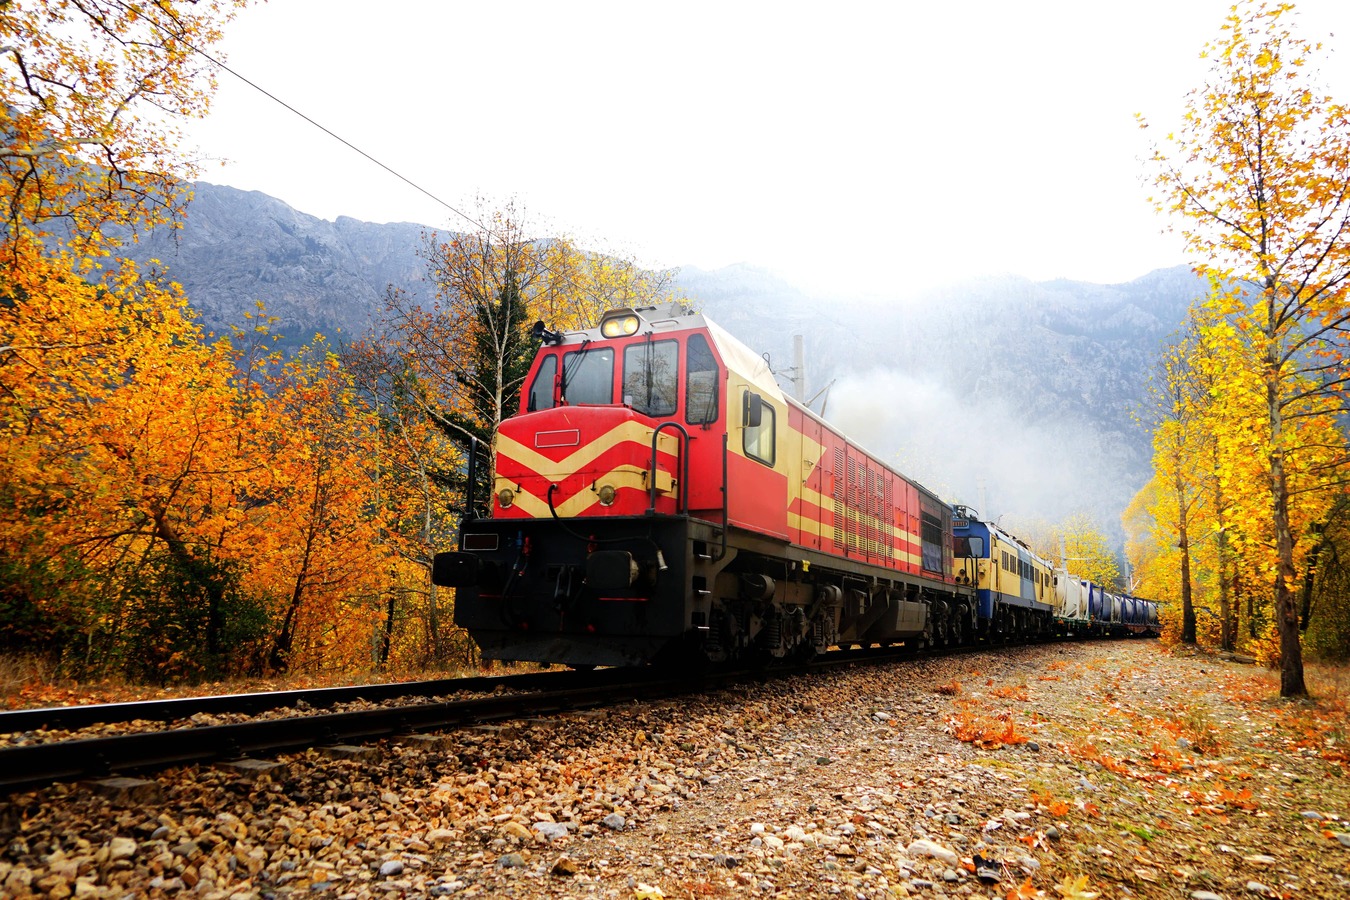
<point>1210,397</point>
<point>325,558</point>
<point>485,282</point>
<point>420,480</point>
<point>85,153</point>
<point>1196,400</point>
<point>90,91</point>
<point>1149,544</point>
<point>166,501</point>
<point>1259,177</point>
<point>1076,543</point>
<point>1324,595</point>
<point>1178,451</point>
<point>1085,551</point>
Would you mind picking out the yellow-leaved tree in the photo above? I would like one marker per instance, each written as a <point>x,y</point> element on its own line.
<point>90,91</point>
<point>1180,450</point>
<point>1086,552</point>
<point>1258,176</point>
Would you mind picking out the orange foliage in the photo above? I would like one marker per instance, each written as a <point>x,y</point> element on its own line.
<point>985,732</point>
<point>1012,692</point>
<point>169,506</point>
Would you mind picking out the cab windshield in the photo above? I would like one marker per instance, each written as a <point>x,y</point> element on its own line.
<point>588,376</point>
<point>651,377</point>
<point>969,547</point>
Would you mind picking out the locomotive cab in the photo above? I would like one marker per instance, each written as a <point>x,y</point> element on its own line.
<point>608,422</point>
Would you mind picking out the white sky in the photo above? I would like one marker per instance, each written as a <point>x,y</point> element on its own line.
<point>860,146</point>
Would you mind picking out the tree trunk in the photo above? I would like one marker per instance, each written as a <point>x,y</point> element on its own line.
<point>1187,606</point>
<point>1251,616</point>
<point>1326,545</point>
<point>387,639</point>
<point>1227,610</point>
<point>1227,593</point>
<point>1309,583</point>
<point>280,657</point>
<point>209,582</point>
<point>434,620</point>
<point>1286,612</point>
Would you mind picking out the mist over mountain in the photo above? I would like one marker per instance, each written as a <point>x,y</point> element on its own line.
<point>1013,396</point>
<point>1018,398</point>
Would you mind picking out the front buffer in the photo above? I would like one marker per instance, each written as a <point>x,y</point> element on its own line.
<point>612,591</point>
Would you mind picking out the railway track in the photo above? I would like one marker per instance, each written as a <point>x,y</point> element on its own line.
<point>41,762</point>
<point>71,718</point>
<point>38,761</point>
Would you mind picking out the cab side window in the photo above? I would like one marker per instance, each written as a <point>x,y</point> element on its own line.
<point>759,429</point>
<point>541,390</point>
<point>588,376</point>
<point>701,383</point>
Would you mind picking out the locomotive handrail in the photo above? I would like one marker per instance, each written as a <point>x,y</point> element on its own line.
<point>682,505</point>
<point>726,499</point>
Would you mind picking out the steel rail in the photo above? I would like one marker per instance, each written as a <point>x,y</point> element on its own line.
<point>69,718</point>
<point>30,766</point>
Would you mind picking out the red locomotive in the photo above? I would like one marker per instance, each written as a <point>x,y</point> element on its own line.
<point>658,497</point>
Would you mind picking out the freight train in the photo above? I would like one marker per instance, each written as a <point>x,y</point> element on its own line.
<point>659,499</point>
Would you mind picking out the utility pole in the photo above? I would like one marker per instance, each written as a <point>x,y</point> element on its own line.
<point>799,368</point>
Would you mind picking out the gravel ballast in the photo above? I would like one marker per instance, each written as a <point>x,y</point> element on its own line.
<point>1114,768</point>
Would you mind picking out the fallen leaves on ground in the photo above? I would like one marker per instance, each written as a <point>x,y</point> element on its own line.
<point>1131,770</point>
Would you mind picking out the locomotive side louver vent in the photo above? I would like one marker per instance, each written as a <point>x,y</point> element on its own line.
<point>839,510</point>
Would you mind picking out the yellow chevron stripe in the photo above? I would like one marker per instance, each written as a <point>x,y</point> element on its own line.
<point>586,454</point>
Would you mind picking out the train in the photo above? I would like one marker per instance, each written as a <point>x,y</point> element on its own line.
<point>659,500</point>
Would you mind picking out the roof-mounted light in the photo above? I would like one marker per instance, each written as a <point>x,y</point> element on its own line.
<point>619,324</point>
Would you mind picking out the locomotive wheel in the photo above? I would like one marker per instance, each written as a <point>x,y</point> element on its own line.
<point>925,639</point>
<point>941,623</point>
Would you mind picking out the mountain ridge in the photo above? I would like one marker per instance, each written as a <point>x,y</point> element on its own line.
<point>999,375</point>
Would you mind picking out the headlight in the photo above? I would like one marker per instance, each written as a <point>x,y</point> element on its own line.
<point>607,494</point>
<point>506,497</point>
<point>619,326</point>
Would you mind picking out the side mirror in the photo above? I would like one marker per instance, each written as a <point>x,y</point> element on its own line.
<point>753,413</point>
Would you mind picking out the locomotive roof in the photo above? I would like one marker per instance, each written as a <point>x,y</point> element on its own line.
<point>676,316</point>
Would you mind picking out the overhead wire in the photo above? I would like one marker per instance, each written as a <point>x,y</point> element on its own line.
<point>177,36</point>
<point>328,131</point>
